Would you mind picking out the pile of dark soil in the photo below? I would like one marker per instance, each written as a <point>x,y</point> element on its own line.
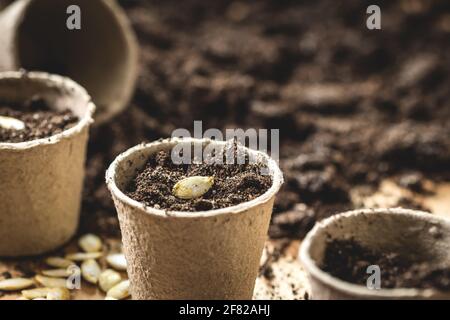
<point>348,260</point>
<point>353,105</point>
<point>39,119</point>
<point>233,184</point>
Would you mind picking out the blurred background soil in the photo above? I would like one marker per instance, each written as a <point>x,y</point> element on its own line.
<point>363,115</point>
<point>353,106</point>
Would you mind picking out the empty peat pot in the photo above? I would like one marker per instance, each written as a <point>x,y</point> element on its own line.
<point>102,56</point>
<point>41,180</point>
<point>190,255</point>
<point>412,233</point>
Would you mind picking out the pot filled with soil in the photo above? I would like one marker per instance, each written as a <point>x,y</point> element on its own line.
<point>193,231</point>
<point>379,254</point>
<point>102,55</point>
<point>44,122</point>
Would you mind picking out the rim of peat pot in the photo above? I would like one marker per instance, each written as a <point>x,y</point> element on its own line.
<point>275,172</point>
<point>56,82</point>
<point>358,291</point>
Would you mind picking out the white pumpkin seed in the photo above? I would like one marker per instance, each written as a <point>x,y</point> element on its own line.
<point>192,187</point>
<point>120,291</point>
<point>90,243</point>
<point>22,298</point>
<point>51,282</point>
<point>82,256</point>
<point>110,298</point>
<point>108,279</point>
<point>35,293</point>
<point>10,123</point>
<point>58,262</point>
<point>15,284</point>
<point>58,294</point>
<point>90,270</point>
<point>117,261</point>
<point>56,273</point>
<point>39,299</point>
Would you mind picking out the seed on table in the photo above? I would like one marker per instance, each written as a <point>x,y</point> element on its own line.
<point>10,123</point>
<point>56,273</point>
<point>120,291</point>
<point>192,187</point>
<point>15,284</point>
<point>58,294</point>
<point>58,262</point>
<point>90,243</point>
<point>110,298</point>
<point>108,279</point>
<point>35,293</point>
<point>81,256</point>
<point>117,261</point>
<point>90,270</point>
<point>51,282</point>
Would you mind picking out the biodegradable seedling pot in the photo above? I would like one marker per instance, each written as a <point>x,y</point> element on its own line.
<point>391,230</point>
<point>41,180</point>
<point>190,255</point>
<point>102,56</point>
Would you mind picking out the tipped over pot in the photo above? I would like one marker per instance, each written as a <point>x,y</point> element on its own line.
<point>41,180</point>
<point>102,56</point>
<point>211,254</point>
<point>416,235</point>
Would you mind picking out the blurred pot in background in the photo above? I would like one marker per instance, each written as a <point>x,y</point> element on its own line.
<point>102,56</point>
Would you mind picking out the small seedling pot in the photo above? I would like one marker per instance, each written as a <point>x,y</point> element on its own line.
<point>102,56</point>
<point>391,230</point>
<point>41,180</point>
<point>190,255</point>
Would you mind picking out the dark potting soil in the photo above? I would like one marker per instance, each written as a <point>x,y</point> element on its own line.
<point>233,184</point>
<point>348,260</point>
<point>353,105</point>
<point>39,119</point>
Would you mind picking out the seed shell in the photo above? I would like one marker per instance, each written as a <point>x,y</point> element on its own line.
<point>117,261</point>
<point>192,187</point>
<point>90,270</point>
<point>108,279</point>
<point>15,284</point>
<point>90,243</point>
<point>120,291</point>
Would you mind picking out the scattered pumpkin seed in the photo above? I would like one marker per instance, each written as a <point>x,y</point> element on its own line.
<point>51,282</point>
<point>10,123</point>
<point>117,261</point>
<point>35,293</point>
<point>108,279</point>
<point>39,299</point>
<point>81,256</point>
<point>58,262</point>
<point>56,273</point>
<point>120,291</point>
<point>90,270</point>
<point>192,187</point>
<point>90,243</point>
<point>110,298</point>
<point>15,284</point>
<point>22,298</point>
<point>58,294</point>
